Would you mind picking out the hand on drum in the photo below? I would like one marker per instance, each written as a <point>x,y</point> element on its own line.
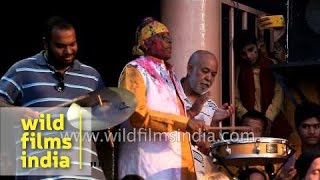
<point>287,174</point>
<point>203,146</point>
<point>288,171</point>
<point>223,112</point>
<point>195,125</point>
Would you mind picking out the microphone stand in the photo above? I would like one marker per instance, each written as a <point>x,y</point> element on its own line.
<point>269,168</point>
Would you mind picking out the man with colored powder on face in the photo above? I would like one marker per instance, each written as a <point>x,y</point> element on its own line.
<point>162,150</point>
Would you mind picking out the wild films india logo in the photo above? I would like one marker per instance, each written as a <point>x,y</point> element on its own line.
<point>39,145</point>
<point>36,141</point>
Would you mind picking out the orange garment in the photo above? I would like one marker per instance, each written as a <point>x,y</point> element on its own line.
<point>147,118</point>
<point>144,117</point>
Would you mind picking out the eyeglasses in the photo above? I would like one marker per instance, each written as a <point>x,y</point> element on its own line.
<point>60,85</point>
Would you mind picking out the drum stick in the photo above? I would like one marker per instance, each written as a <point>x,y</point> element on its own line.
<point>248,128</point>
<point>65,104</point>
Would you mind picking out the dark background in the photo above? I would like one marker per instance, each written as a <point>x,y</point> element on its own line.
<point>105,29</point>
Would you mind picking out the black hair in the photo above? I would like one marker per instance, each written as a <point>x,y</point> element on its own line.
<point>305,111</point>
<point>256,115</point>
<point>132,177</point>
<point>243,38</point>
<point>55,22</point>
<point>245,174</point>
<point>304,161</point>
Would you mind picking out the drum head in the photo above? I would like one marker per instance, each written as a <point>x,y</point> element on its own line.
<point>251,151</point>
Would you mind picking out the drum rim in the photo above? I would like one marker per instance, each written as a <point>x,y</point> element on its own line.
<point>253,156</point>
<point>251,140</point>
<point>273,158</point>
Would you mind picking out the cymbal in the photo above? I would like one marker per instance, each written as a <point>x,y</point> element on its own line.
<point>102,109</point>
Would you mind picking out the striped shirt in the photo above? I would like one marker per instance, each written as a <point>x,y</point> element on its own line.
<point>203,163</point>
<point>32,82</point>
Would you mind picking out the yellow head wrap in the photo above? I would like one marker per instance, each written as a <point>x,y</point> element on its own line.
<point>152,28</point>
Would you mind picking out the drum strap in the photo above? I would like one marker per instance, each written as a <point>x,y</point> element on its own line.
<point>289,156</point>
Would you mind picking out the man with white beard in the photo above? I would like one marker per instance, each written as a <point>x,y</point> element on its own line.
<point>201,71</point>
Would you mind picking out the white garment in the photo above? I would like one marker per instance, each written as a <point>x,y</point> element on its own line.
<point>157,159</point>
<point>203,164</point>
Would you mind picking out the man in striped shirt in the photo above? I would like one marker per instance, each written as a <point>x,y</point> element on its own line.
<point>201,71</point>
<point>51,77</point>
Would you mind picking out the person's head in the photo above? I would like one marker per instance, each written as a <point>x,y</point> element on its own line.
<point>307,121</point>
<point>132,177</point>
<point>60,41</point>
<point>215,176</point>
<point>308,165</point>
<point>201,70</point>
<point>245,45</point>
<point>257,120</point>
<point>153,39</point>
<point>252,174</point>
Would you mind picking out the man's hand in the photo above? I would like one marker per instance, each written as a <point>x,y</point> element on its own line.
<point>264,22</point>
<point>204,146</point>
<point>287,174</point>
<point>197,105</point>
<point>223,112</point>
<point>28,113</point>
<point>195,125</point>
<point>16,113</point>
<point>292,172</point>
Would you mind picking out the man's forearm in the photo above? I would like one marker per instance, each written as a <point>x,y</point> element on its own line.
<point>4,103</point>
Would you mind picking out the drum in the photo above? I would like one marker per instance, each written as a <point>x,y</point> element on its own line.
<point>251,151</point>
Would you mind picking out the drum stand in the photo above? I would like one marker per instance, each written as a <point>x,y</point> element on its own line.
<point>111,144</point>
<point>269,168</point>
<point>219,159</point>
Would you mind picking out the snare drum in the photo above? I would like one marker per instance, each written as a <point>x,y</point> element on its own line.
<point>251,151</point>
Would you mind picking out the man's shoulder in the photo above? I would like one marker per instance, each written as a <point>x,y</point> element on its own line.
<point>137,61</point>
<point>86,68</point>
<point>26,62</point>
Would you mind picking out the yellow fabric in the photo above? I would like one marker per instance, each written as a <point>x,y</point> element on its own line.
<point>144,117</point>
<point>146,32</point>
<point>188,169</point>
<point>151,29</point>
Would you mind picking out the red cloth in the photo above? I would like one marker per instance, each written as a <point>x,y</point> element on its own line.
<point>246,84</point>
<point>280,126</point>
